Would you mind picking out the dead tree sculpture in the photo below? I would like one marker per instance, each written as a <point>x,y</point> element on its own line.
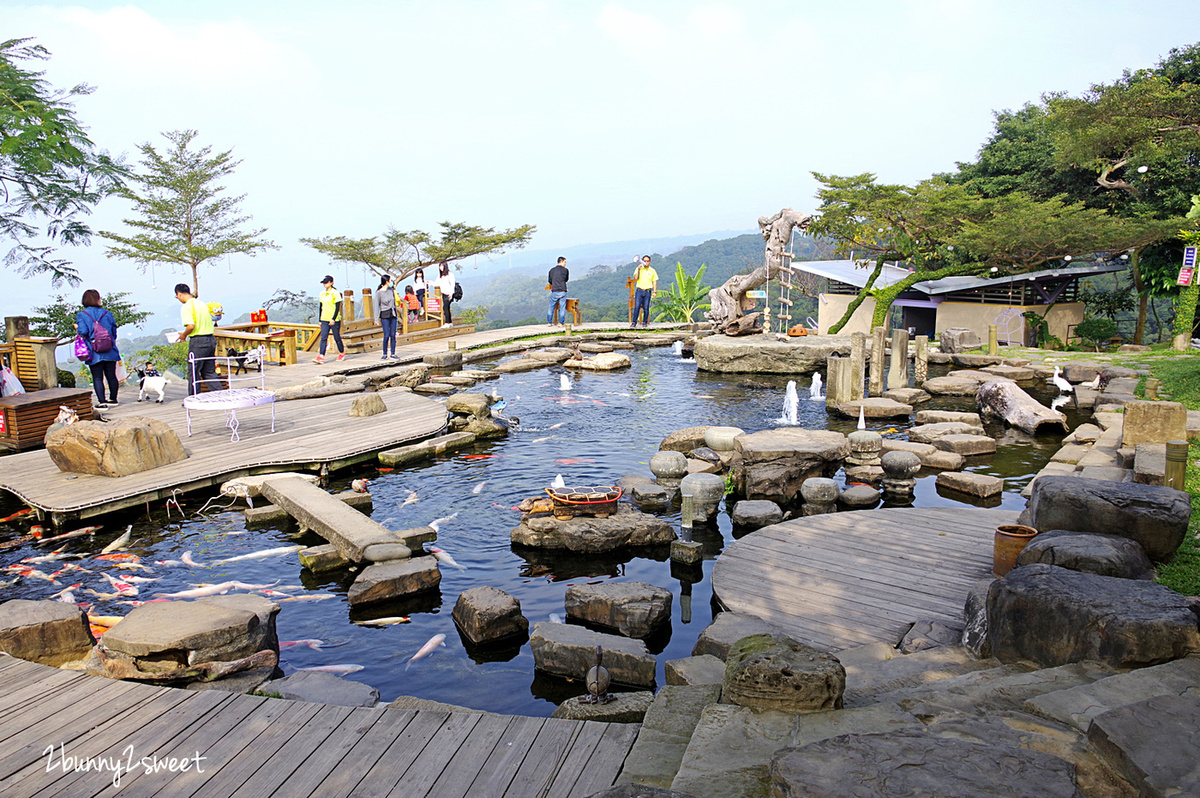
<point>729,300</point>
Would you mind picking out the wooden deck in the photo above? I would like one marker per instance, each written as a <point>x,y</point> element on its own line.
<point>257,747</point>
<point>847,579</point>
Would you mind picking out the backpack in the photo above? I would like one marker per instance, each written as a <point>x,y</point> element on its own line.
<point>457,291</point>
<point>101,340</point>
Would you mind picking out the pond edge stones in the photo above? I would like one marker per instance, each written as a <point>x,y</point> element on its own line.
<point>779,673</point>
<point>48,632</point>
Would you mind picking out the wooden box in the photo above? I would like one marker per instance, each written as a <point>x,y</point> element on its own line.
<point>26,418</point>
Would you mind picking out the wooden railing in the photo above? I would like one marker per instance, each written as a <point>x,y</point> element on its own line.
<point>8,353</point>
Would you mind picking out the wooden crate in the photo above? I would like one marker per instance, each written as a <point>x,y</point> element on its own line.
<point>28,416</point>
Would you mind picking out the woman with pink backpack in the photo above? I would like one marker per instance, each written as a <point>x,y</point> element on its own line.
<point>97,327</point>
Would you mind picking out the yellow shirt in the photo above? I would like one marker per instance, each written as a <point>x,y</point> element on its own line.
<point>646,277</point>
<point>195,313</point>
<point>329,300</point>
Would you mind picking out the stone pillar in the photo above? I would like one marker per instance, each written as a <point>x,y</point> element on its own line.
<point>877,354</point>
<point>921,361</point>
<point>993,345</point>
<point>865,447</point>
<point>820,495</point>
<point>15,327</point>
<point>1152,386</point>
<point>1181,343</point>
<point>899,468</point>
<point>858,364</point>
<point>898,373</point>
<point>839,374</point>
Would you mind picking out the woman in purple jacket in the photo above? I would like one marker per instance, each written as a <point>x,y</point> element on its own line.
<point>102,364</point>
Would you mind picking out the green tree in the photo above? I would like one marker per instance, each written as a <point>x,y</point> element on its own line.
<point>1185,302</point>
<point>400,253</point>
<point>51,174</point>
<point>57,319</point>
<point>288,305</point>
<point>184,216</point>
<point>685,296</point>
<point>1096,331</point>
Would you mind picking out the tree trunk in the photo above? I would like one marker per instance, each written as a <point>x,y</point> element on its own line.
<point>729,300</point>
<point>858,300</point>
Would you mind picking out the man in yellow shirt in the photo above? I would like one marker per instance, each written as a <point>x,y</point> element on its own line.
<point>198,328</point>
<point>331,318</point>
<point>645,288</point>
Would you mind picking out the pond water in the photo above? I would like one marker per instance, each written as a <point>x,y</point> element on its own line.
<point>602,426</point>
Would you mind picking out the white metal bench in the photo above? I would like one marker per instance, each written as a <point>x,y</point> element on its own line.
<point>229,399</point>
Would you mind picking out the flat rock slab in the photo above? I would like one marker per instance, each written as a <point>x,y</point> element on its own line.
<point>728,628</point>
<point>635,609</point>
<point>908,396</point>
<point>48,632</point>
<point>951,386</point>
<point>928,433</point>
<point>1154,422</point>
<point>551,354</point>
<point>919,449</point>
<point>570,650</point>
<point>626,527</point>
<point>517,365</point>
<point>390,580</point>
<point>265,514</point>
<point>1153,743</point>
<point>1150,463</point>
<point>875,407</point>
<point>318,687</point>
<point>972,361</point>
<point>605,361</point>
<point>434,389</point>
<point>486,614</point>
<point>756,513</point>
<point>1156,517</point>
<point>946,461</point>
<point>685,440</point>
<point>426,449</point>
<point>625,708</point>
<point>918,763</point>
<point>1088,552</point>
<point>666,731</point>
<point>704,669</point>
<point>762,355</point>
<point>1071,453</point>
<point>859,497</point>
<point>773,464</point>
<point>1015,373</point>
<point>346,528</point>
<point>450,379</point>
<point>948,416</point>
<point>966,445</point>
<point>322,558</point>
<point>1054,616</point>
<point>981,485</point>
<point>218,628</point>
<point>251,486</point>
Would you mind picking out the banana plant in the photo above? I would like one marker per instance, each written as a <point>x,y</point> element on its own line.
<point>686,296</point>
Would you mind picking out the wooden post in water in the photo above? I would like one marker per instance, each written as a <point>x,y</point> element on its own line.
<point>898,373</point>
<point>993,344</point>
<point>1177,453</point>
<point>877,355</point>
<point>921,361</point>
<point>858,364</point>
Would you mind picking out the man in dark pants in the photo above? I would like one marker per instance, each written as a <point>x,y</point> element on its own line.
<point>558,292</point>
<point>198,329</point>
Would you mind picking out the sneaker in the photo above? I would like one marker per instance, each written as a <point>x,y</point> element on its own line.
<point>395,357</point>
<point>385,357</point>
<point>319,359</point>
<point>113,402</point>
<point>341,356</point>
<point>101,406</point>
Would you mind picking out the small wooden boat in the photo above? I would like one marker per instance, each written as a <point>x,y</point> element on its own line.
<point>597,501</point>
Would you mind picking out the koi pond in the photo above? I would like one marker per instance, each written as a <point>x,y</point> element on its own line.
<point>600,427</point>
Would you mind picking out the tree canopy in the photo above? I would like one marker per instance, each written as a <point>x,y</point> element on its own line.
<point>400,253</point>
<point>51,174</point>
<point>58,318</point>
<point>184,216</point>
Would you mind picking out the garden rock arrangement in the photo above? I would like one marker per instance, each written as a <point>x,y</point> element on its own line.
<point>768,356</point>
<point>625,527</point>
<point>114,449</point>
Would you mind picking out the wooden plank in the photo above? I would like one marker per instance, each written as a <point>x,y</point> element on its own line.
<point>605,764</point>
<point>349,769</point>
<point>437,755</point>
<point>284,762</point>
<point>506,757</point>
<point>587,746</point>
<point>392,767</point>
<point>457,779</point>
<point>538,769</point>
<point>31,727</point>
<point>53,700</point>
<point>336,746</point>
<point>25,686</point>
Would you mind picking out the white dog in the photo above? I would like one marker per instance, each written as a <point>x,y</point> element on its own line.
<point>151,380</point>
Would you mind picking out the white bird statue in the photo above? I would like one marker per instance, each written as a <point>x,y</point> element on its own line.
<point>1094,384</point>
<point>1059,382</point>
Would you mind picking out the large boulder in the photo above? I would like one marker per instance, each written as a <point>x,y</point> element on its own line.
<point>569,650</point>
<point>918,762</point>
<point>625,527</point>
<point>635,609</point>
<point>48,632</point>
<point>114,449</point>
<point>1091,553</point>
<point>1153,515</point>
<point>1053,616</point>
<point>485,614</point>
<point>478,405</point>
<point>951,386</point>
<point>773,464</point>
<point>777,672</point>
<point>767,356</point>
<point>685,440</point>
<point>369,404</point>
<point>1153,422</point>
<point>958,339</point>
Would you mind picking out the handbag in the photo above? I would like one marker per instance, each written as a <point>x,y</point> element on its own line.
<point>82,350</point>
<point>122,373</point>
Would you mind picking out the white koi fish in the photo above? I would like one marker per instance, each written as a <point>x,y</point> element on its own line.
<point>122,588</point>
<point>556,426</point>
<point>186,559</point>
<point>310,597</point>
<point>36,574</point>
<point>443,556</point>
<point>66,591</point>
<point>340,670</point>
<point>391,621</point>
<point>132,566</point>
<point>198,592</point>
<point>141,580</point>
<point>436,523</point>
<point>412,498</point>
<point>311,642</point>
<point>479,487</point>
<point>248,586</point>
<point>544,439</point>
<point>555,618</point>
<point>434,642</point>
<point>120,542</point>
<point>258,555</point>
<point>57,554</point>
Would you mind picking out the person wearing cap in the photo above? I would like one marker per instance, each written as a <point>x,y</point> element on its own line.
<point>646,286</point>
<point>198,329</point>
<point>331,318</point>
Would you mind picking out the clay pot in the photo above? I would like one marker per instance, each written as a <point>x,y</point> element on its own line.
<point>1009,542</point>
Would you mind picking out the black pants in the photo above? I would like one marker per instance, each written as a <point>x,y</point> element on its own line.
<point>104,370</point>
<point>202,346</point>
<point>446,309</point>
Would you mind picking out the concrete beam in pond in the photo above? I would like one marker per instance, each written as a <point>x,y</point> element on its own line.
<point>352,533</point>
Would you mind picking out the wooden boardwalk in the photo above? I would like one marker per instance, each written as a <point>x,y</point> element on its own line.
<point>257,747</point>
<point>847,579</point>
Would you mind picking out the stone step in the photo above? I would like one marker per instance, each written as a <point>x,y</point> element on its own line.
<point>666,730</point>
<point>1079,705</point>
<point>354,534</point>
<point>909,670</point>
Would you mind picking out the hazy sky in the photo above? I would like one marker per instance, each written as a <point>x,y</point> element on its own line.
<point>595,121</point>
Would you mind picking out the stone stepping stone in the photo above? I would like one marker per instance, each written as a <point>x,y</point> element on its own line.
<point>486,614</point>
<point>625,527</point>
<point>966,445</point>
<point>551,354</point>
<point>520,364</point>
<point>318,687</point>
<point>635,609</point>
<point>1153,743</point>
<point>944,416</point>
<point>908,396</point>
<point>728,628</point>
<point>756,514</point>
<point>434,389</point>
<point>569,650</point>
<point>1011,373</point>
<point>875,407</point>
<point>626,708</point>
<point>704,669</point>
<point>48,632</point>
<point>479,375</point>
<point>973,361</point>
<point>981,485</point>
<point>606,361</point>
<point>391,580</point>
<point>459,382</point>
<point>950,386</point>
<point>928,433</point>
<point>779,673</point>
<point>860,497</point>
<point>666,730</point>
<point>595,348</point>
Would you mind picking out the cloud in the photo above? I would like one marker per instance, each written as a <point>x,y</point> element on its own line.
<point>631,30</point>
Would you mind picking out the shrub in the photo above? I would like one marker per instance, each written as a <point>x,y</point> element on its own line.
<point>1096,330</point>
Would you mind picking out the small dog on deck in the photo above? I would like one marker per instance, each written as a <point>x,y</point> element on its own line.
<point>150,380</point>
<point>239,360</point>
